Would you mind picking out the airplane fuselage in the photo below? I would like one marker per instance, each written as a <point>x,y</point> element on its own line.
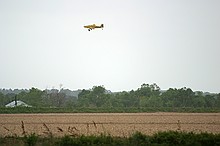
<point>93,26</point>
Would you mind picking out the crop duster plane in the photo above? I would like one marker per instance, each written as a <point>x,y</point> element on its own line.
<point>93,26</point>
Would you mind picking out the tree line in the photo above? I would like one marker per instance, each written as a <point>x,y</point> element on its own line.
<point>148,95</point>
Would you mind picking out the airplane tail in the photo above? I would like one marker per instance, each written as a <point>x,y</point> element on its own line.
<point>102,25</point>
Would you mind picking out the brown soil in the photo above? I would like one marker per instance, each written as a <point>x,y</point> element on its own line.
<point>116,124</point>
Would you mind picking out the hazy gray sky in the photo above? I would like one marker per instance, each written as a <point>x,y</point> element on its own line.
<point>173,43</point>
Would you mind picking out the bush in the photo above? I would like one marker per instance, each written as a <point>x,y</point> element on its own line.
<point>183,138</point>
<point>139,139</point>
<point>66,141</point>
<point>170,138</point>
<point>31,140</point>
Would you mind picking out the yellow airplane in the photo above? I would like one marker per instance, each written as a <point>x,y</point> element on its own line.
<point>93,26</point>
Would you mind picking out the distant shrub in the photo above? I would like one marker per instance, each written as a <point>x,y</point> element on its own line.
<point>105,110</point>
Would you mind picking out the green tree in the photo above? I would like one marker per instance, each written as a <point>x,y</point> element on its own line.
<point>97,97</point>
<point>2,100</point>
<point>218,100</point>
<point>33,97</point>
<point>168,97</point>
<point>198,100</point>
<point>210,101</point>
<point>152,101</point>
<point>178,97</point>
<point>185,97</point>
<point>128,100</point>
<point>148,90</point>
<point>115,101</point>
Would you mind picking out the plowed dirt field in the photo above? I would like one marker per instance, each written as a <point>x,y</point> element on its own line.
<point>116,124</point>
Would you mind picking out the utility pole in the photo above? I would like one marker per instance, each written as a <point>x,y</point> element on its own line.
<point>16,100</point>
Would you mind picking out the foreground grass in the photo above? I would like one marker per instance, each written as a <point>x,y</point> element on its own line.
<point>170,138</point>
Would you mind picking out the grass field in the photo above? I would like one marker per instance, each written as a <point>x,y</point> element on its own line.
<point>115,124</point>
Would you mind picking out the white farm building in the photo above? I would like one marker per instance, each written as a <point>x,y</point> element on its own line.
<point>19,103</point>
